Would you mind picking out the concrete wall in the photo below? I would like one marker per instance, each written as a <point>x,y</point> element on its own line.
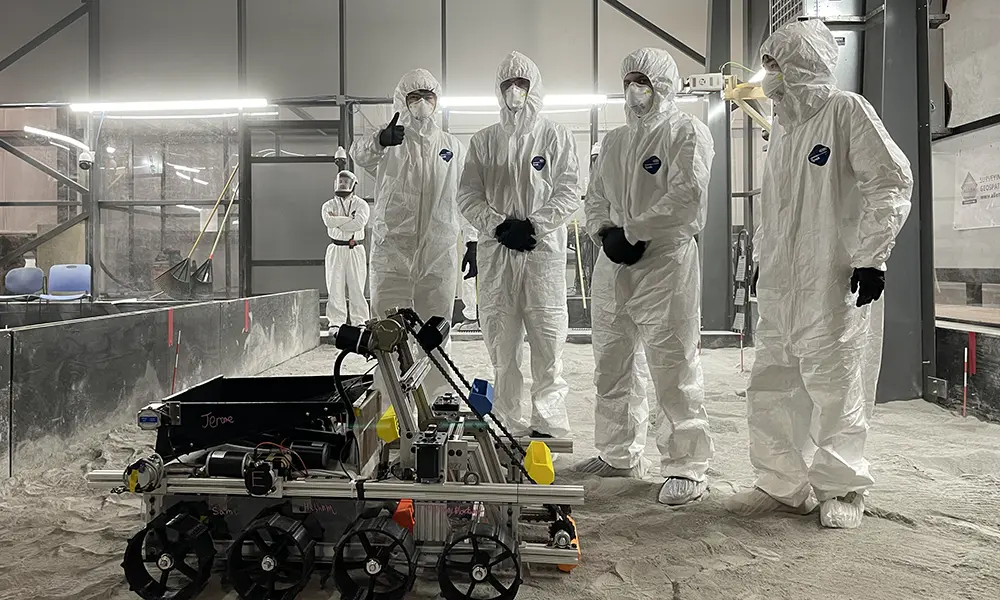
<point>971,54</point>
<point>67,379</point>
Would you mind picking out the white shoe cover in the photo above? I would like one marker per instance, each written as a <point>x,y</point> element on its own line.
<point>597,466</point>
<point>755,502</point>
<point>678,490</point>
<point>844,512</point>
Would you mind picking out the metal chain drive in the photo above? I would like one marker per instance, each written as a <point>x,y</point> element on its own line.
<point>411,318</point>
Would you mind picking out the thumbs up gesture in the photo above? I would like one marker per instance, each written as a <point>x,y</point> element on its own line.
<point>392,135</point>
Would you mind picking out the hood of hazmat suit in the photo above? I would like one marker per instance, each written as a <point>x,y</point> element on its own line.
<point>835,194</point>
<point>524,167</point>
<point>651,179</point>
<point>415,219</point>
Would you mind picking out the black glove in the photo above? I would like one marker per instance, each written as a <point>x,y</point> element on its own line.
<point>469,260</point>
<point>618,249</point>
<point>868,283</point>
<point>517,234</point>
<point>392,135</point>
<point>753,281</point>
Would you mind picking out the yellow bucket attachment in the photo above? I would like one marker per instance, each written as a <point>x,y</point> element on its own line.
<point>538,463</point>
<point>387,427</point>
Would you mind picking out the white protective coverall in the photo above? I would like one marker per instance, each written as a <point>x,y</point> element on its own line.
<point>346,264</point>
<point>651,178</point>
<point>524,167</point>
<point>836,191</point>
<point>415,224</point>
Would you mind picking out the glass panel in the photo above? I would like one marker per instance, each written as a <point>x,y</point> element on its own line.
<point>967,226</point>
<point>162,178</point>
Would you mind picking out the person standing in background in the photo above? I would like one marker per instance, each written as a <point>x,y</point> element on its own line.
<point>345,217</point>
<point>519,189</point>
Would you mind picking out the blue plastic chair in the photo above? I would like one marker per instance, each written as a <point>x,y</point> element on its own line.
<point>24,283</point>
<point>68,283</point>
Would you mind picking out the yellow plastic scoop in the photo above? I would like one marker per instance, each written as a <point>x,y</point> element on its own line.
<point>387,427</point>
<point>538,463</point>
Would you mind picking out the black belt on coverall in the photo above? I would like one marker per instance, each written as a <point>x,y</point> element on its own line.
<point>345,243</point>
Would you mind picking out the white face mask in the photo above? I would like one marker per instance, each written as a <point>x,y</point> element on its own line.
<point>639,98</point>
<point>515,97</point>
<point>421,109</point>
<point>773,86</point>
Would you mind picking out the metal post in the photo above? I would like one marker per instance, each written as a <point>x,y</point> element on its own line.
<point>595,58</point>
<point>226,168</point>
<point>343,47</point>
<point>445,114</point>
<point>749,146</point>
<point>94,49</point>
<point>246,215</point>
<point>92,198</point>
<point>716,238</point>
<point>905,104</point>
<point>131,215</point>
<point>925,197</point>
<point>241,45</point>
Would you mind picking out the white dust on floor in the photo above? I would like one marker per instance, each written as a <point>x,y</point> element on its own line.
<point>933,529</point>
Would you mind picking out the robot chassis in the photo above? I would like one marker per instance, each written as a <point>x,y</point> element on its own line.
<point>275,479</point>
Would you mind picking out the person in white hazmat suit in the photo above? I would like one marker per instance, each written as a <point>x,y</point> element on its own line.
<point>648,198</point>
<point>836,192</point>
<point>417,168</point>
<point>519,189</point>
<point>345,217</point>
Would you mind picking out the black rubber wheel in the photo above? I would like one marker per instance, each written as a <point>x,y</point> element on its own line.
<point>272,559</point>
<point>479,563</point>
<point>170,559</point>
<point>375,560</point>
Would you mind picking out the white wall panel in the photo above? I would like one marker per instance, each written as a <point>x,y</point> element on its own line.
<point>293,48</point>
<point>56,70</point>
<point>387,38</point>
<point>180,49</point>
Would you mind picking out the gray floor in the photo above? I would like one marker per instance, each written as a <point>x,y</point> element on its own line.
<point>933,529</point>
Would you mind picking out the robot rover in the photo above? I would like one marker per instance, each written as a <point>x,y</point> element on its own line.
<point>274,480</point>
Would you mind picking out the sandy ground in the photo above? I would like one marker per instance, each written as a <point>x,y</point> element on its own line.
<point>932,531</point>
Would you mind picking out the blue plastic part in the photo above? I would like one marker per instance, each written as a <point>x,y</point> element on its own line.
<point>481,396</point>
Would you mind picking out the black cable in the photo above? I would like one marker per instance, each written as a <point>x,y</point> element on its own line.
<point>338,383</point>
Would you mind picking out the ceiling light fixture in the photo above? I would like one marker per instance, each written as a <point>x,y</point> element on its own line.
<point>158,105</point>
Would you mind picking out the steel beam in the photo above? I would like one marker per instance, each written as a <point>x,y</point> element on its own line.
<point>90,197</point>
<point>500,493</point>
<point>43,37</point>
<point>246,211</point>
<point>41,239</point>
<point>94,49</point>
<point>44,168</point>
<point>241,45</point>
<point>342,22</point>
<point>657,31</point>
<point>716,238</point>
<point>595,59</point>
<point>925,198</point>
<point>908,302</point>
